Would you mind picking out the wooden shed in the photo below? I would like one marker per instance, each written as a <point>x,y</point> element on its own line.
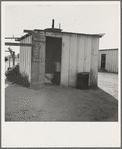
<point>108,60</point>
<point>64,52</point>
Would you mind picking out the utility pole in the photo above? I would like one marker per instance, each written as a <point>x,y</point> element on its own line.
<point>9,61</point>
<point>13,58</point>
<point>12,55</point>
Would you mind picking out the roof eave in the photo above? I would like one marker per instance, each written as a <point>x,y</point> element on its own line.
<point>28,34</point>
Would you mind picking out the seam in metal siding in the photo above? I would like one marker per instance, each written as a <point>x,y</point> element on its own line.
<point>73,60</point>
<point>87,54</point>
<point>111,60</point>
<point>94,62</point>
<point>25,58</point>
<point>65,60</point>
<point>80,53</point>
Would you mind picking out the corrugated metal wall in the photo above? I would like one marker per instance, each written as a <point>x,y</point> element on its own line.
<point>77,51</point>
<point>25,57</point>
<point>111,60</point>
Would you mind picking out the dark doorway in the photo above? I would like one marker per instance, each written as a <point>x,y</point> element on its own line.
<point>53,59</point>
<point>103,61</point>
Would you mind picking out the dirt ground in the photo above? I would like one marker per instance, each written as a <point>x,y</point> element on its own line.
<point>56,103</point>
<point>109,83</point>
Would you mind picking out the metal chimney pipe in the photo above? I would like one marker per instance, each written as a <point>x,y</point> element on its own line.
<point>53,23</point>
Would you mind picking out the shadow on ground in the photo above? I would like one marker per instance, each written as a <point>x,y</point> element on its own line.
<point>55,103</point>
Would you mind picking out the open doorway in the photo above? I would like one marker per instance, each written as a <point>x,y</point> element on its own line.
<point>103,61</point>
<point>53,60</point>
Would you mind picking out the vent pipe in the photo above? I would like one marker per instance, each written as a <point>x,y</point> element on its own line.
<point>53,23</point>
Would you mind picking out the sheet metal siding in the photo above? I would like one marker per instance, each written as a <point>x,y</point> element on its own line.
<point>111,60</point>
<point>73,60</point>
<point>87,54</point>
<point>79,54</point>
<point>76,57</point>
<point>25,58</point>
<point>94,62</point>
<point>65,60</point>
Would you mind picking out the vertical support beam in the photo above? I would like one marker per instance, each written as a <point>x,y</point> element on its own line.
<point>9,61</point>
<point>38,60</point>
<point>53,23</point>
<point>13,59</point>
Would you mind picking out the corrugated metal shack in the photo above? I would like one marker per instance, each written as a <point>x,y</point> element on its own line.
<point>108,60</point>
<point>65,52</point>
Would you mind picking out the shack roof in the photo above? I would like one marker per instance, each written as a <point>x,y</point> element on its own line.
<point>30,33</point>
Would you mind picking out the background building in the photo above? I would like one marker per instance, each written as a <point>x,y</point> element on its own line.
<point>108,60</point>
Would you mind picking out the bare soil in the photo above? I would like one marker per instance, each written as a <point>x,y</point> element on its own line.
<point>109,83</point>
<point>56,103</point>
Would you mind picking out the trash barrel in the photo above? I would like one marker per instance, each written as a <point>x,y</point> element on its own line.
<point>82,80</point>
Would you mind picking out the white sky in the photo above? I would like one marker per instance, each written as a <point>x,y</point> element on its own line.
<point>80,17</point>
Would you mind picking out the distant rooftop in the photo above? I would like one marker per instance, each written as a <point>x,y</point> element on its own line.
<point>108,49</point>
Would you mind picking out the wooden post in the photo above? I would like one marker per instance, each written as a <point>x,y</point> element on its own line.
<point>17,44</point>
<point>13,59</point>
<point>9,61</point>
